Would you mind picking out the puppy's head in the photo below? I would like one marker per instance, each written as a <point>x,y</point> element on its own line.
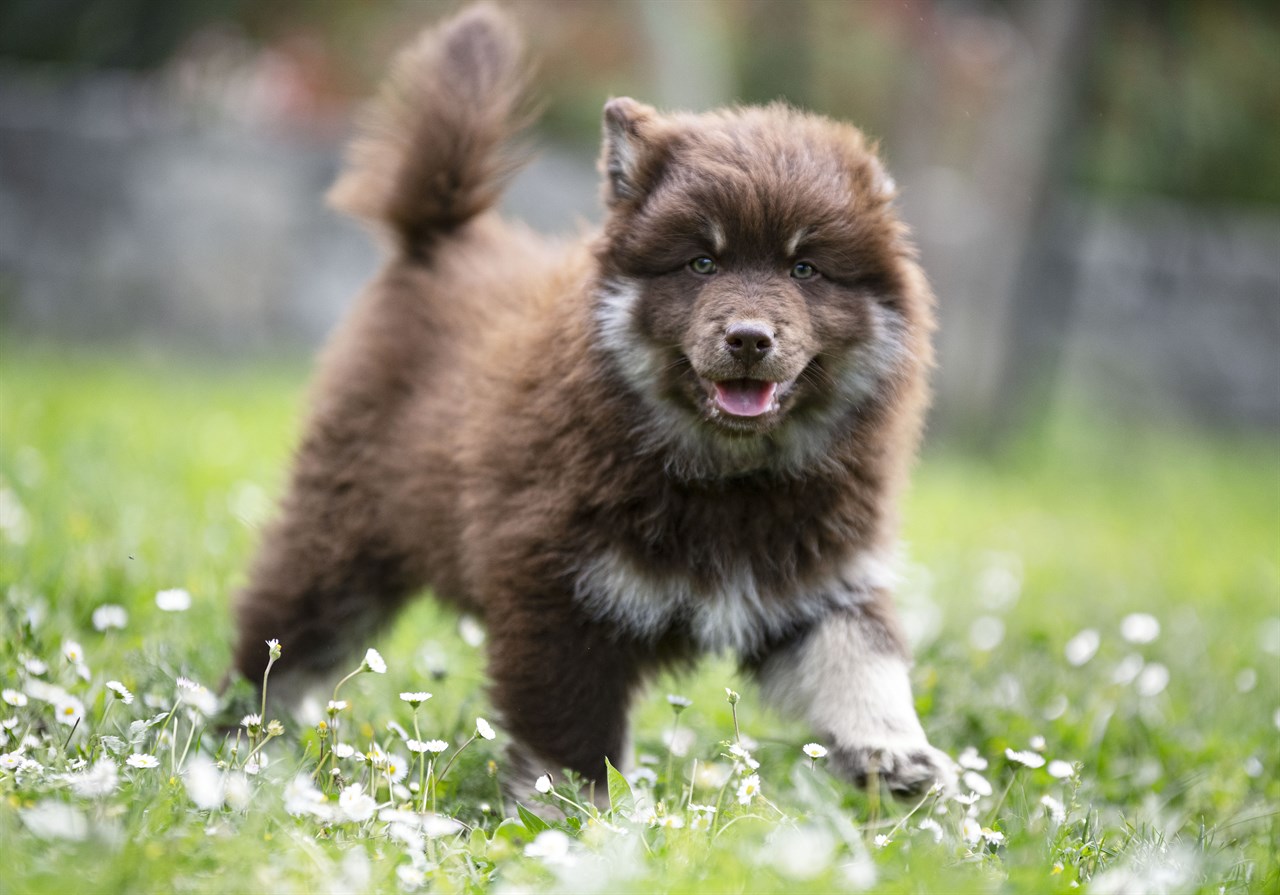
<point>756,287</point>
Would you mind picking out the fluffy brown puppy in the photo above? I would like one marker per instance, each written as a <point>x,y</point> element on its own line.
<point>684,434</point>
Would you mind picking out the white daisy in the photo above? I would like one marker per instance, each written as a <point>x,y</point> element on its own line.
<point>355,805</point>
<point>142,760</point>
<point>1056,809</point>
<point>72,651</point>
<point>1139,627</point>
<point>976,783</point>
<point>543,784</point>
<point>374,662</point>
<point>14,697</point>
<point>1030,759</point>
<point>483,728</point>
<point>971,760</point>
<point>931,826</point>
<point>415,698</point>
<point>175,599</point>
<point>1060,769</point>
<point>121,691</point>
<point>100,780</point>
<point>68,710</point>
<point>815,750</point>
<point>679,703</point>
<point>471,631</point>
<point>1082,647</point>
<point>748,789</point>
<point>109,616</point>
<point>395,767</point>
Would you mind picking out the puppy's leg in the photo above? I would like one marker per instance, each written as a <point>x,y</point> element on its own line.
<point>849,677</point>
<point>563,686</point>
<point>326,577</point>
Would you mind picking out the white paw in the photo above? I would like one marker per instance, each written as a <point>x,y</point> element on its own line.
<point>905,768</point>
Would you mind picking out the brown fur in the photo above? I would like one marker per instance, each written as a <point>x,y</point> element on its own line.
<point>529,428</point>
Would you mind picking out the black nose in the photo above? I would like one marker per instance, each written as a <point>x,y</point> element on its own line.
<point>749,341</point>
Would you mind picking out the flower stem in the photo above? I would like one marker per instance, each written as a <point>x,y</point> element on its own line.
<point>449,764</point>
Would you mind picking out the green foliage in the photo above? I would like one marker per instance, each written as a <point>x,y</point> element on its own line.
<point>121,478</point>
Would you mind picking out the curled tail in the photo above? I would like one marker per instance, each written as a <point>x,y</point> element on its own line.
<point>434,149</point>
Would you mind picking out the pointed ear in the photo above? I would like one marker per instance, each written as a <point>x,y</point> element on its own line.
<point>628,149</point>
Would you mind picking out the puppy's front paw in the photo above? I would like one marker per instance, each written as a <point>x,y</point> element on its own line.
<point>905,768</point>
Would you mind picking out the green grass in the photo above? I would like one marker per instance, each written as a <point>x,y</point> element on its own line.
<point>120,477</point>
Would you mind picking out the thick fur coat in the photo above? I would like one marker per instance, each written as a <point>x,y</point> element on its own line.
<point>686,433</point>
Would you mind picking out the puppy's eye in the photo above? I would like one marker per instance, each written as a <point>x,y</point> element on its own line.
<point>803,270</point>
<point>703,265</point>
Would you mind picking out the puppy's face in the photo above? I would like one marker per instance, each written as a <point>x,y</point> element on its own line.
<point>751,268</point>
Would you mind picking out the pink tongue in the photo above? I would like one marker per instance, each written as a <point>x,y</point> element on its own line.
<point>745,397</point>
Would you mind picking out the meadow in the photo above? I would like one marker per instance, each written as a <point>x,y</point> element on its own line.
<point>1095,608</point>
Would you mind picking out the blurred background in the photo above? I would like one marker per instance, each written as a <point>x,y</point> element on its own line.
<point>1095,186</point>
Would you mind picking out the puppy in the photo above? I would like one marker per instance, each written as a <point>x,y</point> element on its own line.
<point>685,434</point>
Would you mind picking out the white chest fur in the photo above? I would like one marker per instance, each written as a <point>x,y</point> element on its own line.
<point>732,613</point>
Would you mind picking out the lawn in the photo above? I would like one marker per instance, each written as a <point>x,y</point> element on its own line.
<point>1096,612</point>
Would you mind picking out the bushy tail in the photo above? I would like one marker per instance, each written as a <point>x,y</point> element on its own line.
<point>434,149</point>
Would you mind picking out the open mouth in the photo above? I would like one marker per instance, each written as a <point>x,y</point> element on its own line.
<point>745,397</point>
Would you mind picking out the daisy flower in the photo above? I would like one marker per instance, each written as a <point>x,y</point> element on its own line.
<point>679,703</point>
<point>344,750</point>
<point>471,631</point>
<point>976,783</point>
<point>815,750</point>
<point>748,789</point>
<point>142,760</point>
<point>416,698</point>
<point>483,728</point>
<point>1056,809</point>
<point>374,662</point>
<point>543,784</point>
<point>1081,648</point>
<point>395,767</point>
<point>1139,627</point>
<point>14,698</point>
<point>969,759</point>
<point>109,616</point>
<point>550,847</point>
<point>175,599</point>
<point>336,705</point>
<point>1030,759</point>
<point>743,756</point>
<point>99,780</point>
<point>273,648</point>
<point>72,651</point>
<point>68,710</point>
<point>197,696</point>
<point>355,805</point>
<point>121,691</point>
<point>932,827</point>
<point>436,746</point>
<point>1061,769</point>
